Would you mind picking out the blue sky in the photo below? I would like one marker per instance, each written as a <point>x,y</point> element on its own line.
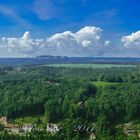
<point>43,19</point>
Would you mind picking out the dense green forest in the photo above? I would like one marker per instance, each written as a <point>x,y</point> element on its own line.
<point>70,97</point>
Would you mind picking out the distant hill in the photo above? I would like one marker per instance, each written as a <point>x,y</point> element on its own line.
<point>51,57</point>
<point>48,59</point>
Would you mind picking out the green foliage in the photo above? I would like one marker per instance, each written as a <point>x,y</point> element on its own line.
<point>69,96</point>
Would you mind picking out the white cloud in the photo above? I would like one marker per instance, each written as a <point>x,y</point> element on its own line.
<point>131,45</point>
<point>21,46</point>
<point>88,41</point>
<point>132,40</point>
<point>89,35</point>
<point>107,43</point>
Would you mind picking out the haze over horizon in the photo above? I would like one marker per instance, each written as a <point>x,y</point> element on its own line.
<point>70,28</point>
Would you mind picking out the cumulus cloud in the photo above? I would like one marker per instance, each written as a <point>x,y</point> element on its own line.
<point>88,41</point>
<point>131,44</point>
<point>132,41</point>
<point>21,46</point>
<point>88,36</point>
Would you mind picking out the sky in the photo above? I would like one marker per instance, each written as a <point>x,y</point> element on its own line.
<point>29,28</point>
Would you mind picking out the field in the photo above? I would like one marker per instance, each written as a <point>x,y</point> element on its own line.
<point>101,83</point>
<point>90,65</point>
<point>30,119</point>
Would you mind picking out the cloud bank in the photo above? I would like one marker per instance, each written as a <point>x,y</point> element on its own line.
<point>88,41</point>
<point>85,42</point>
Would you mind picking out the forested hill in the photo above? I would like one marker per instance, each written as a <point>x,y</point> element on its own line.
<point>64,59</point>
